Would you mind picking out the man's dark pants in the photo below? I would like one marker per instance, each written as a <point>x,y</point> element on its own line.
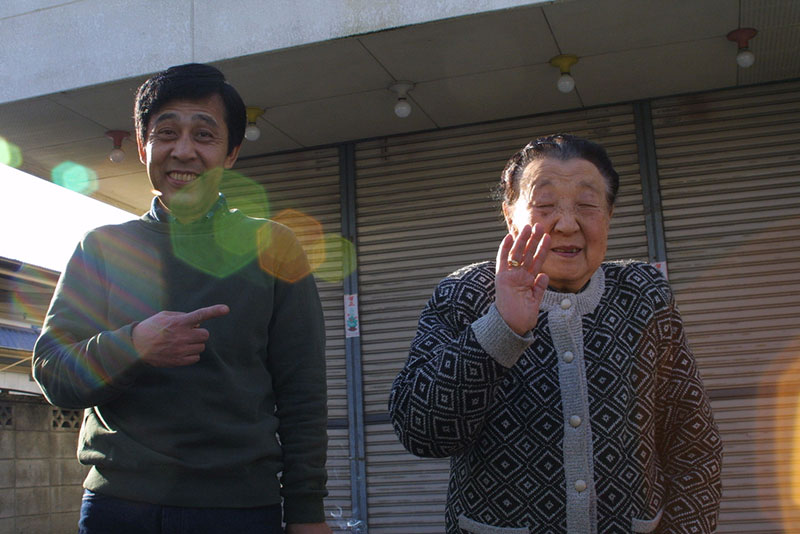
<point>101,514</point>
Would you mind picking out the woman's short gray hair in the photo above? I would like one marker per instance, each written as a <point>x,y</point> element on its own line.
<point>561,147</point>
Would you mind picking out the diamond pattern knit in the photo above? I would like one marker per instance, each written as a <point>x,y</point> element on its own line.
<point>602,425</point>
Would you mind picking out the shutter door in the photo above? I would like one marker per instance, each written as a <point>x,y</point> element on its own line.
<point>424,209</point>
<point>729,167</point>
<point>308,182</point>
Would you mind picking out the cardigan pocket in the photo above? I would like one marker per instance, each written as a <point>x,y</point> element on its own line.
<point>473,527</point>
<point>643,526</point>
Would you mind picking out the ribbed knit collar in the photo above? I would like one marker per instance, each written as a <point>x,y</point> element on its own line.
<point>584,302</point>
<point>161,214</point>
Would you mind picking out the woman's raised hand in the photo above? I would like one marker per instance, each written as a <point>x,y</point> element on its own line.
<point>519,282</point>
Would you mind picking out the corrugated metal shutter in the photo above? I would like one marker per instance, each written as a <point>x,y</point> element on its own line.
<point>424,209</point>
<point>760,466</point>
<point>729,167</point>
<point>308,182</point>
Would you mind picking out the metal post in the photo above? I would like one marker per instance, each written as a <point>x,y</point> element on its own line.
<point>651,194</point>
<point>355,391</point>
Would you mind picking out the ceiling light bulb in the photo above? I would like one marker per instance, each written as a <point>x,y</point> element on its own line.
<point>745,58</point>
<point>116,155</point>
<point>252,132</point>
<point>742,36</point>
<point>564,63</point>
<point>402,109</point>
<point>117,136</point>
<point>566,83</point>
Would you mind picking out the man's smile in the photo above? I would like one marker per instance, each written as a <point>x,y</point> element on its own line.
<point>182,177</point>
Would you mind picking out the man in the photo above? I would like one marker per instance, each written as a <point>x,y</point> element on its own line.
<point>194,339</point>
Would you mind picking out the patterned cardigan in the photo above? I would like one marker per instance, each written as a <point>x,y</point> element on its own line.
<point>596,422</point>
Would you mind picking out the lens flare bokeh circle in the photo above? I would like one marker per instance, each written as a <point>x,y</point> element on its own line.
<point>75,177</point>
<point>10,154</point>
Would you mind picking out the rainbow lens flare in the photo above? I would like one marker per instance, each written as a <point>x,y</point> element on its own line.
<point>232,248</point>
<point>245,195</point>
<point>225,253</point>
<point>340,259</point>
<point>280,258</point>
<point>30,294</point>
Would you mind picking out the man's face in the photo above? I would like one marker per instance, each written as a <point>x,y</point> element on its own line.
<point>185,151</point>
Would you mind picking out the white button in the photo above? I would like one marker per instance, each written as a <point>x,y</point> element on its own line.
<point>568,357</point>
<point>575,421</point>
<point>565,304</point>
<point>580,485</point>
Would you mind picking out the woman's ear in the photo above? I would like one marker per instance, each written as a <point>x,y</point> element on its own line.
<point>507,215</point>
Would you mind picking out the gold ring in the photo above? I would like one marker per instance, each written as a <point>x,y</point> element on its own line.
<point>513,263</point>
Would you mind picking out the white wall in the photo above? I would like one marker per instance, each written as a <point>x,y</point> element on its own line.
<point>51,45</point>
<point>19,381</point>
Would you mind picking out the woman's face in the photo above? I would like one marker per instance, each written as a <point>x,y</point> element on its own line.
<point>569,199</point>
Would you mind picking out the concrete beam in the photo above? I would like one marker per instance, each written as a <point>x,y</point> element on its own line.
<point>51,45</point>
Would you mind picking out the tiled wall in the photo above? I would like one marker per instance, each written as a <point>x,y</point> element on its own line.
<point>40,477</point>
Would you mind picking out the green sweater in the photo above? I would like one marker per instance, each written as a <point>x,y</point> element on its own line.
<point>218,433</point>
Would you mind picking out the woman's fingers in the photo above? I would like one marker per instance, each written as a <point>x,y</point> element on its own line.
<point>528,250</point>
<point>540,285</point>
<point>516,256</point>
<point>540,255</point>
<point>536,248</point>
<point>502,253</point>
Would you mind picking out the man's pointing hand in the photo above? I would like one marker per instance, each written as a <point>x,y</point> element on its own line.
<point>173,339</point>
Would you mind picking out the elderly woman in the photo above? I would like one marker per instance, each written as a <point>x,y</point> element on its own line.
<point>562,387</point>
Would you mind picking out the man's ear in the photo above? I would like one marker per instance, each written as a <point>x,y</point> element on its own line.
<point>230,159</point>
<point>142,151</point>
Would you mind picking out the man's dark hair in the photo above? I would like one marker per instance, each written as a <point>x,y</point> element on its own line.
<point>562,147</point>
<point>192,81</point>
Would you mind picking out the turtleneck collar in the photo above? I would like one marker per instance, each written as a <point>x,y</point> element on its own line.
<point>161,214</point>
